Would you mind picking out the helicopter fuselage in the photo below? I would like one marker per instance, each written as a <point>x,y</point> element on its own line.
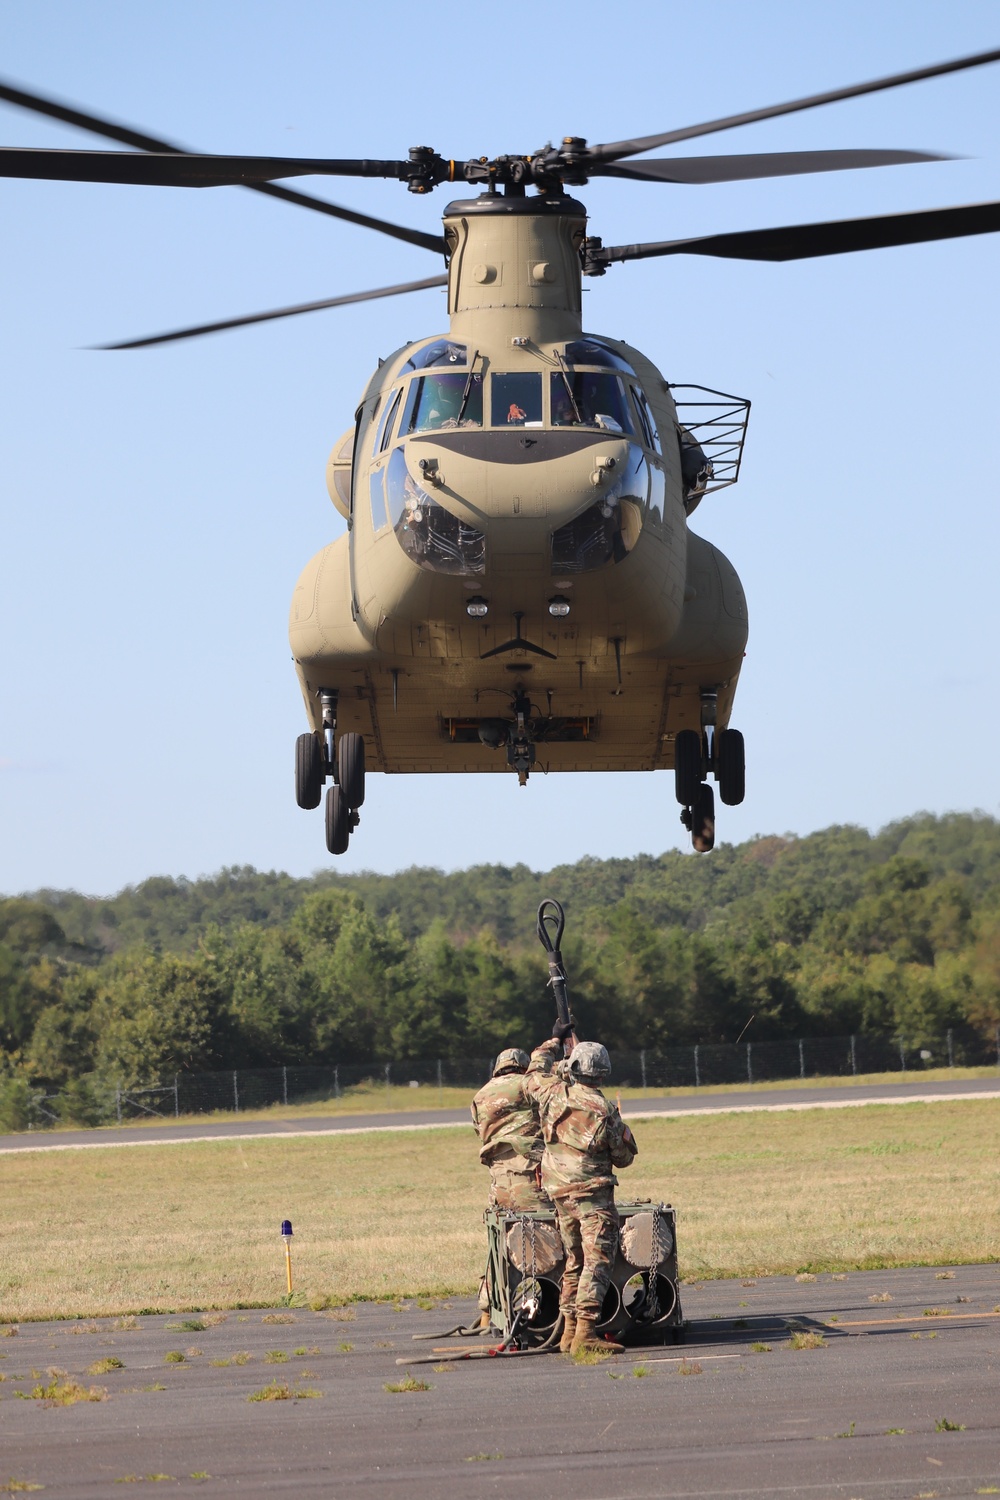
<point>518,555</point>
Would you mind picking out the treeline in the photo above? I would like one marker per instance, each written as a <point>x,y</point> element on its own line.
<point>894,933</point>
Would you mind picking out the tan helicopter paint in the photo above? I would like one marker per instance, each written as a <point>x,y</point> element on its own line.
<point>369,622</point>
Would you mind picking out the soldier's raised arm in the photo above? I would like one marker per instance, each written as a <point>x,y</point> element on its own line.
<point>621,1141</point>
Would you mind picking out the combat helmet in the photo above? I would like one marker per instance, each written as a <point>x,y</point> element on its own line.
<point>590,1061</point>
<point>512,1060</point>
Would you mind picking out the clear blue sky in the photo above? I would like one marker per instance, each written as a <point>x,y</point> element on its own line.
<point>158,506</point>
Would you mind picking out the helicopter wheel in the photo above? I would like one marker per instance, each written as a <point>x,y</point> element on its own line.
<point>703,820</point>
<point>351,768</point>
<point>730,767</point>
<point>338,821</point>
<point>687,766</point>
<point>309,774</point>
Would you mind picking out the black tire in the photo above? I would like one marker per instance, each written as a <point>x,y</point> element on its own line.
<point>338,821</point>
<point>687,766</point>
<point>730,767</point>
<point>703,820</point>
<point>351,768</point>
<point>308,771</point>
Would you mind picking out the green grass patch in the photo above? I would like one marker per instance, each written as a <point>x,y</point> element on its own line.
<point>757,1194</point>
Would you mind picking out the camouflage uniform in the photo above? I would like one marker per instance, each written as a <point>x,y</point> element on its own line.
<point>585,1137</point>
<point>506,1119</point>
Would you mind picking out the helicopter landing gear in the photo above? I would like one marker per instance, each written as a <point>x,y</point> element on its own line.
<point>730,766</point>
<point>338,821</point>
<point>695,755</point>
<point>310,771</point>
<point>351,768</point>
<point>688,766</point>
<point>342,761</point>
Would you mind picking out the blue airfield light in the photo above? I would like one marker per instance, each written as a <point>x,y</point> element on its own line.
<point>286,1235</point>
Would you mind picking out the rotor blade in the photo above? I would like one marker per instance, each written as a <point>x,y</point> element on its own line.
<point>38,104</point>
<point>181,169</point>
<point>702,169</point>
<point>281,312</point>
<point>801,241</point>
<point>647,142</point>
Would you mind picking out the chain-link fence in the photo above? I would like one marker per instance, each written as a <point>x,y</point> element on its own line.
<point>388,1085</point>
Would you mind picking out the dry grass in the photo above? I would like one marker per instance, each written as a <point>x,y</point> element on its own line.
<point>400,1215</point>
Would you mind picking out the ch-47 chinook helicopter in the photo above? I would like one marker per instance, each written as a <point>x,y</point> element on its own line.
<point>519,586</point>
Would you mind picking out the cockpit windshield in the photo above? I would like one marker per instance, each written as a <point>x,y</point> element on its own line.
<point>593,351</point>
<point>443,352</point>
<point>436,402</point>
<point>581,398</point>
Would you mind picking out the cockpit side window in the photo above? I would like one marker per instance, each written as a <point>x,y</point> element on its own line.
<point>584,398</point>
<point>646,420</point>
<point>385,426</point>
<point>516,400</point>
<point>436,402</point>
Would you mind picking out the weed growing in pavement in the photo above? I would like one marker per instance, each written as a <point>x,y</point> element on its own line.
<point>805,1276</point>
<point>443,1369</point>
<point>278,1318</point>
<point>62,1392</point>
<point>281,1391</point>
<point>880,1297</point>
<point>173,1357</point>
<point>126,1325</point>
<point>86,1328</point>
<point>639,1371</point>
<point>193,1353</point>
<point>345,1348</point>
<point>759,1348</point>
<point>9,1331</point>
<point>105,1366</point>
<point>804,1340</point>
<point>343,1315</point>
<point>689,1367</point>
<point>895,1432</point>
<point>848,1434</point>
<point>943,1425</point>
<point>276,1357</point>
<point>242,1358</point>
<point>396,1387</point>
<point>945,1276</point>
<point>17,1486</point>
<point>189,1325</point>
<point>937,1312</point>
<point>591,1356</point>
<point>303,1350</point>
<point>838,1277</point>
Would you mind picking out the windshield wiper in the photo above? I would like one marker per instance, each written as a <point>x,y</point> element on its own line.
<point>569,389</point>
<point>468,388</point>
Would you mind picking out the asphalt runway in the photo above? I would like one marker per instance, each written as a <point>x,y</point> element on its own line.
<point>863,1416</point>
<point>669,1106</point>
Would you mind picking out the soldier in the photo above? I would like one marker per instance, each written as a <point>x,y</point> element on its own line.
<point>585,1137</point>
<point>506,1119</point>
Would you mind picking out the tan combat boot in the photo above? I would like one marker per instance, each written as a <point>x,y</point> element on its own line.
<point>569,1330</point>
<point>585,1340</point>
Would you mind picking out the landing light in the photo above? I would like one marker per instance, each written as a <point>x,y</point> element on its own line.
<point>559,606</point>
<point>477,607</point>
